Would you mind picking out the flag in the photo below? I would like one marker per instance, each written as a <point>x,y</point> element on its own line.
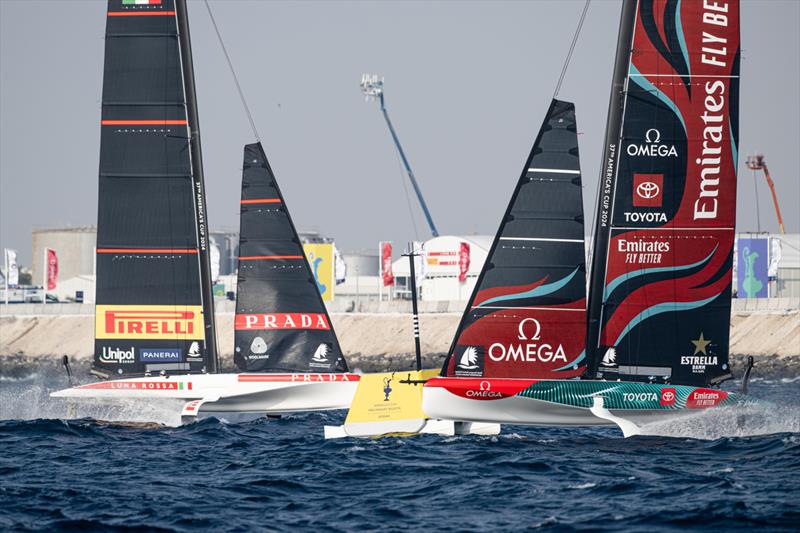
<point>420,261</point>
<point>141,2</point>
<point>386,264</point>
<point>52,269</point>
<point>340,267</point>
<point>463,262</point>
<point>12,271</point>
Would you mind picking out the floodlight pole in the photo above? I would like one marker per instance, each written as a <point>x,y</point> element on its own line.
<point>373,88</point>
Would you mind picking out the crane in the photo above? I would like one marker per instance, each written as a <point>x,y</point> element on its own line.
<point>372,87</point>
<point>757,162</point>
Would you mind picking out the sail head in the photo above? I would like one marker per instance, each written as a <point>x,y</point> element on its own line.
<point>527,314</point>
<point>281,323</point>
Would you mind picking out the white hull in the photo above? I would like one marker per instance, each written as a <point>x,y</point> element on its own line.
<point>568,403</point>
<point>232,393</point>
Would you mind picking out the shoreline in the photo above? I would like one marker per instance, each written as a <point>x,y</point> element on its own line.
<point>372,342</point>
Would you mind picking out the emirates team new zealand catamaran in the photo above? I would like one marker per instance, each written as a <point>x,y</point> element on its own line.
<point>155,333</point>
<point>657,335</point>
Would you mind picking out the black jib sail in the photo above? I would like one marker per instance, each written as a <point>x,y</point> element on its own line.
<point>281,322</point>
<point>659,305</point>
<point>527,315</point>
<point>153,309</point>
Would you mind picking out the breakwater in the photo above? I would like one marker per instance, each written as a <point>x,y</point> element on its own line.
<point>370,341</point>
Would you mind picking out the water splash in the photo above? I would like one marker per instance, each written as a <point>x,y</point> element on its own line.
<point>28,398</point>
<point>712,424</point>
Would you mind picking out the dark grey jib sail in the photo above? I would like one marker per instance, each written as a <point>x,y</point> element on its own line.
<point>527,315</point>
<point>154,310</point>
<point>660,298</point>
<point>281,323</point>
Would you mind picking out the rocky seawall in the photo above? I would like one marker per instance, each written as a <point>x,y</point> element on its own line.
<point>372,341</point>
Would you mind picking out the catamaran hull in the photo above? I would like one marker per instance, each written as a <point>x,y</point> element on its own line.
<point>564,402</point>
<point>231,393</point>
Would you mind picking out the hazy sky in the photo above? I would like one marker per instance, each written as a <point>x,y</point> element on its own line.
<point>467,85</point>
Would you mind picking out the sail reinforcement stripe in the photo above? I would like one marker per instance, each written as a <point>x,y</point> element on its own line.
<point>262,201</point>
<point>146,250</point>
<point>257,257</point>
<point>143,122</point>
<point>554,170</point>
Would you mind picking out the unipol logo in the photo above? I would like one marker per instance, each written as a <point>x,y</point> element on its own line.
<point>648,190</point>
<point>652,146</point>
<point>531,349</point>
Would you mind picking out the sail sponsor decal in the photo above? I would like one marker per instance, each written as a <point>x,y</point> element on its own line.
<point>648,190</point>
<point>146,322</point>
<point>652,146</point>
<point>702,355</point>
<point>515,342</point>
<point>116,355</point>
<point>160,355</point>
<point>270,321</point>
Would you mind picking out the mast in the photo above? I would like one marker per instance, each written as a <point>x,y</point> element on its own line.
<point>608,177</point>
<point>199,184</point>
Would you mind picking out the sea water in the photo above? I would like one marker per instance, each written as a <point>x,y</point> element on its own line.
<point>69,466</point>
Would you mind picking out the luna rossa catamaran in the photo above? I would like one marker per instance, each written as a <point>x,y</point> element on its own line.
<point>155,333</point>
<point>654,337</point>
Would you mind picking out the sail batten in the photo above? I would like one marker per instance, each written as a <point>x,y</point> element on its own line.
<point>660,292</point>
<point>526,317</point>
<point>281,323</point>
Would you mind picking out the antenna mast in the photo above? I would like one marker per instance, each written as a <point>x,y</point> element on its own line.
<point>372,87</point>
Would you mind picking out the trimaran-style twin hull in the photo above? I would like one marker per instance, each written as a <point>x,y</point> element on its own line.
<point>231,393</point>
<point>565,402</point>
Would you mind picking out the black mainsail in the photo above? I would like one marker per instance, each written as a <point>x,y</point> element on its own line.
<point>660,284</point>
<point>154,310</point>
<point>281,322</point>
<point>526,317</point>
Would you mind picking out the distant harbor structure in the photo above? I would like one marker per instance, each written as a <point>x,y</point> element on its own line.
<point>447,270</point>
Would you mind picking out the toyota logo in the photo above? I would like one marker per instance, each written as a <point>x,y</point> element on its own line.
<point>668,396</point>
<point>647,190</point>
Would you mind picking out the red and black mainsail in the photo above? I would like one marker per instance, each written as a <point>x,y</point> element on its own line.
<point>527,315</point>
<point>281,322</point>
<point>660,297</point>
<point>154,310</point>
